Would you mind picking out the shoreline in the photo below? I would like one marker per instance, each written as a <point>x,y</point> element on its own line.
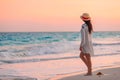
<point>11,77</point>
<point>108,73</point>
<point>50,69</point>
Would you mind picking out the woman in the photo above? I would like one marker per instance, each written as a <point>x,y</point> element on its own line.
<point>86,47</point>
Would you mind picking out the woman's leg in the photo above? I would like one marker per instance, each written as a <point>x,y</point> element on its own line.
<point>88,58</point>
<point>82,56</point>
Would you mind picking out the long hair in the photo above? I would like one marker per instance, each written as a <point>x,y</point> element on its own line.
<point>90,28</point>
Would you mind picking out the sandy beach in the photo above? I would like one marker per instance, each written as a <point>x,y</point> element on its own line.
<point>63,69</point>
<point>108,73</point>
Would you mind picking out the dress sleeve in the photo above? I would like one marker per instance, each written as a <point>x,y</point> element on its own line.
<point>82,37</point>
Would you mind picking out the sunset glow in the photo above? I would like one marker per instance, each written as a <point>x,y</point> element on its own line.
<point>58,15</point>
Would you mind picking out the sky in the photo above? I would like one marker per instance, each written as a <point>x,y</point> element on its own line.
<point>58,15</point>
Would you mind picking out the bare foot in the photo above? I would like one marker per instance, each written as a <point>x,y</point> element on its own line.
<point>88,74</point>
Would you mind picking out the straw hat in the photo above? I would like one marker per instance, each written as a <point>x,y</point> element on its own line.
<point>85,17</point>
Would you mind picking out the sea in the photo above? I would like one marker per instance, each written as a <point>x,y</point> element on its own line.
<point>44,55</point>
<point>23,45</point>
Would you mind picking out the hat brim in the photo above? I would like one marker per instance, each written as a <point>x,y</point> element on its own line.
<point>85,19</point>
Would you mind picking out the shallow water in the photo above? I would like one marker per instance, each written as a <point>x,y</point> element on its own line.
<point>26,45</point>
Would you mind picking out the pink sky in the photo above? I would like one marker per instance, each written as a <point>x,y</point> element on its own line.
<point>58,15</point>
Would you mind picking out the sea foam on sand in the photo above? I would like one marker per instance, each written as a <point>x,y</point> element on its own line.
<point>49,69</point>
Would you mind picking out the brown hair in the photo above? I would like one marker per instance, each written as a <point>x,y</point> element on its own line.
<point>90,28</point>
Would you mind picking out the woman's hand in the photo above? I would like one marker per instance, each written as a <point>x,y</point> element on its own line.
<point>80,48</point>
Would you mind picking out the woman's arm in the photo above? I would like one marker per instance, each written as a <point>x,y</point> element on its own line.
<point>82,38</point>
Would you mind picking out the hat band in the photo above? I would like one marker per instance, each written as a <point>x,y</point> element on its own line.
<point>85,17</point>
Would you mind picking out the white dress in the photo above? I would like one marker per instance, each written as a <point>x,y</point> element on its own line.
<point>86,41</point>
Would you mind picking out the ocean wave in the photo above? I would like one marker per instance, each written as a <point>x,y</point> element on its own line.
<point>12,61</point>
<point>35,59</point>
<point>38,49</point>
<point>32,44</point>
<point>98,44</point>
<point>47,48</point>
